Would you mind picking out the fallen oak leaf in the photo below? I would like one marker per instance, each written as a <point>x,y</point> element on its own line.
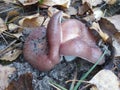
<point>5,71</point>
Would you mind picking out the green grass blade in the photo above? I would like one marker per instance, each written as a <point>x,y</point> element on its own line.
<point>90,70</point>
<point>62,88</point>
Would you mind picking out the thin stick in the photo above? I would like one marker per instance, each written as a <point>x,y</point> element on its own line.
<point>54,86</point>
<point>8,46</point>
<point>4,39</point>
<point>77,81</point>
<point>73,82</point>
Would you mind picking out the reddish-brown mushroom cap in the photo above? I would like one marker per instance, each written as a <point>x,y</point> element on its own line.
<point>43,47</point>
<point>78,41</point>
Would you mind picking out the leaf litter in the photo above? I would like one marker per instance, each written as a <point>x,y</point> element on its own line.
<point>91,12</point>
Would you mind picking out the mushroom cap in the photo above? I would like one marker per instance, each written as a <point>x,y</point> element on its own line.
<point>78,41</point>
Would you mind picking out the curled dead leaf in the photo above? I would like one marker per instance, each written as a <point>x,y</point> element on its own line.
<point>106,80</point>
<point>31,21</point>
<point>10,52</point>
<point>11,55</point>
<point>5,71</point>
<point>63,3</point>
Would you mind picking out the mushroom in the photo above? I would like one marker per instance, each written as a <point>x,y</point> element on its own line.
<point>43,47</point>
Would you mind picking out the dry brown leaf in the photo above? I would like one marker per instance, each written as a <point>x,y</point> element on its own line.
<point>106,80</point>
<point>52,11</point>
<point>23,83</point>
<point>11,55</point>
<point>96,27</point>
<point>107,27</point>
<point>28,2</point>
<point>111,26</point>
<point>92,2</point>
<point>84,9</point>
<point>5,71</point>
<point>3,26</point>
<point>115,20</point>
<point>63,3</point>
<point>31,21</point>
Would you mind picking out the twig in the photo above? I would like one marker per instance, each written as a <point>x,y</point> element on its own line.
<point>73,82</point>
<point>4,39</point>
<point>54,86</point>
<point>7,47</point>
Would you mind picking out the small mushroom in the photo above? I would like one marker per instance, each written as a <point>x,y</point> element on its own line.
<point>43,47</point>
